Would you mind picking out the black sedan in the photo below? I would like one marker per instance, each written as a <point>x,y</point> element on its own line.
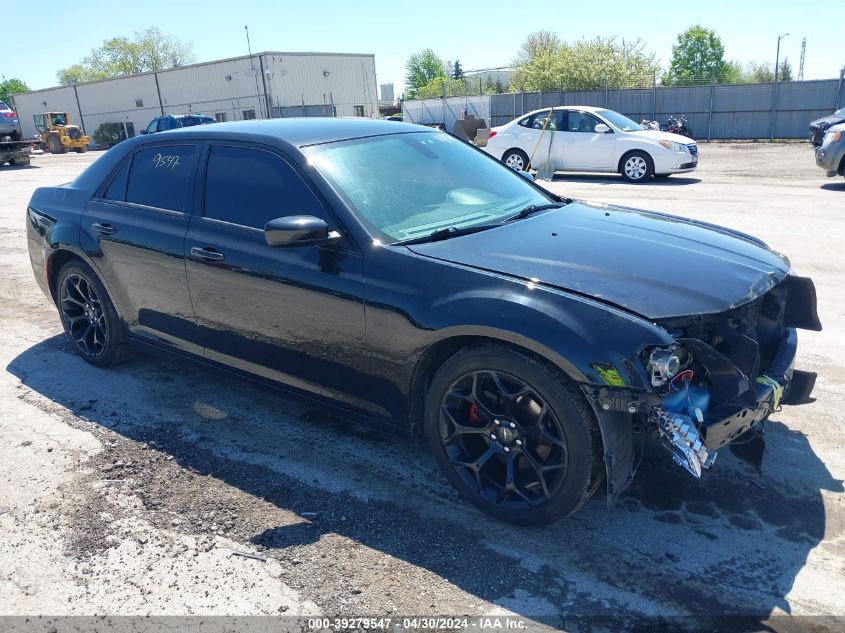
<point>407,277</point>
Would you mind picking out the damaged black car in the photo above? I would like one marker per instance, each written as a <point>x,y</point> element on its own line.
<point>404,276</point>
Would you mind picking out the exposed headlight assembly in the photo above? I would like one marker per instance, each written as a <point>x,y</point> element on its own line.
<point>831,137</point>
<point>675,147</point>
<point>663,365</point>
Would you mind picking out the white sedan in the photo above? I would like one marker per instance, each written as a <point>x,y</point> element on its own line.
<point>583,138</point>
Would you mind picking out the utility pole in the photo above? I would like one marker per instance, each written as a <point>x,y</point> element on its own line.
<point>777,56</point>
<point>775,96</point>
<point>252,66</point>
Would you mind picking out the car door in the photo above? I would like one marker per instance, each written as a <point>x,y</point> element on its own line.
<point>584,148</point>
<point>134,229</point>
<point>293,315</point>
<point>539,138</point>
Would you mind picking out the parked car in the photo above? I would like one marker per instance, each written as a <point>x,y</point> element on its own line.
<point>175,121</point>
<point>819,126</point>
<point>10,129</point>
<point>830,155</point>
<point>526,336</point>
<point>591,139</point>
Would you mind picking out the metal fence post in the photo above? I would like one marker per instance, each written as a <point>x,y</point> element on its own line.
<point>654,95</point>
<point>838,99</point>
<point>606,95</point>
<point>710,110</point>
<point>774,108</point>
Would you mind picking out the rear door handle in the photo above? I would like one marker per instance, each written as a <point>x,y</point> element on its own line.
<point>103,229</point>
<point>208,254</point>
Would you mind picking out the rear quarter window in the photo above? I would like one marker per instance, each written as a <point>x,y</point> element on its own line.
<point>159,176</point>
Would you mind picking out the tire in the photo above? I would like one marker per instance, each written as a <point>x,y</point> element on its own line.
<point>88,316</point>
<point>516,159</point>
<point>19,162</point>
<point>81,150</point>
<point>636,167</point>
<point>55,145</point>
<point>513,463</point>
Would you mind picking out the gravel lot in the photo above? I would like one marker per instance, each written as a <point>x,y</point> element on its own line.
<point>128,492</point>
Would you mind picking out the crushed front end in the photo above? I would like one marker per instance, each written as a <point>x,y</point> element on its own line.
<point>719,381</point>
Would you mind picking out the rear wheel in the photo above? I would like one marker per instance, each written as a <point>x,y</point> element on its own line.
<point>636,167</point>
<point>516,159</point>
<point>81,150</point>
<point>89,318</point>
<point>513,436</point>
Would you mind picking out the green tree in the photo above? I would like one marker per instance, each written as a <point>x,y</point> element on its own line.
<point>785,71</point>
<point>148,50</point>
<point>422,69</point>
<point>499,88</point>
<point>457,70</point>
<point>544,63</point>
<point>759,73</point>
<point>699,56</point>
<point>8,87</point>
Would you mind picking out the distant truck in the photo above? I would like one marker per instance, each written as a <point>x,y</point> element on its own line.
<point>57,134</point>
<point>15,153</point>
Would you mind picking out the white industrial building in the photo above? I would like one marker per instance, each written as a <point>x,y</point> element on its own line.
<point>264,85</point>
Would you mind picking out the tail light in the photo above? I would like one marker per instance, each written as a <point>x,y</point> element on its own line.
<point>492,134</point>
<point>9,115</point>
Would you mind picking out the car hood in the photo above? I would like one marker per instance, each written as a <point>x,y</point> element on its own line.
<point>659,135</point>
<point>655,265</point>
<point>826,121</point>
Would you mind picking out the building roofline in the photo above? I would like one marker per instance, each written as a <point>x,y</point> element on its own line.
<point>198,64</point>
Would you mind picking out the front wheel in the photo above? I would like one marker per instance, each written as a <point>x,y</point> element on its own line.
<point>512,435</point>
<point>516,159</point>
<point>637,167</point>
<point>89,318</point>
<point>55,145</point>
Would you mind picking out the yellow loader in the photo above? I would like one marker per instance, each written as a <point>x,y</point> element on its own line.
<point>58,135</point>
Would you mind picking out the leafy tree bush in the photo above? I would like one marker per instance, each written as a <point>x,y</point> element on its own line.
<point>149,50</point>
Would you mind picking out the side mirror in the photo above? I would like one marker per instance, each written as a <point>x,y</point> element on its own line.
<point>601,128</point>
<point>298,230</point>
<point>143,131</point>
<point>526,175</point>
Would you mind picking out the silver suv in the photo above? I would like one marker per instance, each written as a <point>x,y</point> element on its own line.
<point>9,127</point>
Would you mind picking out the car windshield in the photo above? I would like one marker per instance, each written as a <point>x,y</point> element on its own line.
<point>620,120</point>
<point>3,106</point>
<point>406,186</point>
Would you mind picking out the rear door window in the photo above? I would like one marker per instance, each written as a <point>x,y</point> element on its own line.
<point>159,176</point>
<point>250,187</point>
<point>117,188</point>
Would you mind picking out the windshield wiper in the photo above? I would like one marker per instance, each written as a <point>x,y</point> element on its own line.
<point>534,208</point>
<point>446,233</point>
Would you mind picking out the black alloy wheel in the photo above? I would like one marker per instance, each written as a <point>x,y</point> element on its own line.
<point>89,318</point>
<point>509,447</point>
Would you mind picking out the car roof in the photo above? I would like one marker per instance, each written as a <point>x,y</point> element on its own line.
<point>580,108</point>
<point>299,132</point>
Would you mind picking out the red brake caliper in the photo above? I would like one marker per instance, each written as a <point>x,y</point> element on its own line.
<point>473,415</point>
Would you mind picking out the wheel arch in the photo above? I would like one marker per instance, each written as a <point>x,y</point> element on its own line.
<point>628,152</point>
<point>436,354</point>
<point>58,259</point>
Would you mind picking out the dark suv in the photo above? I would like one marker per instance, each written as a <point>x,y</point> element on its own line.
<point>175,121</point>
<point>819,126</point>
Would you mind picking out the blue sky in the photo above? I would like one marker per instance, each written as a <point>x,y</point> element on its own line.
<point>481,34</point>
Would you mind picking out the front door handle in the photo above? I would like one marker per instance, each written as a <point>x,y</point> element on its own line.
<point>207,253</point>
<point>103,229</point>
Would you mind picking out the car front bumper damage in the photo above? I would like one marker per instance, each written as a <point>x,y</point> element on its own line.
<point>693,439</point>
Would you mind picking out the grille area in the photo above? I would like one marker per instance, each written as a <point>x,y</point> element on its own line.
<point>693,149</point>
